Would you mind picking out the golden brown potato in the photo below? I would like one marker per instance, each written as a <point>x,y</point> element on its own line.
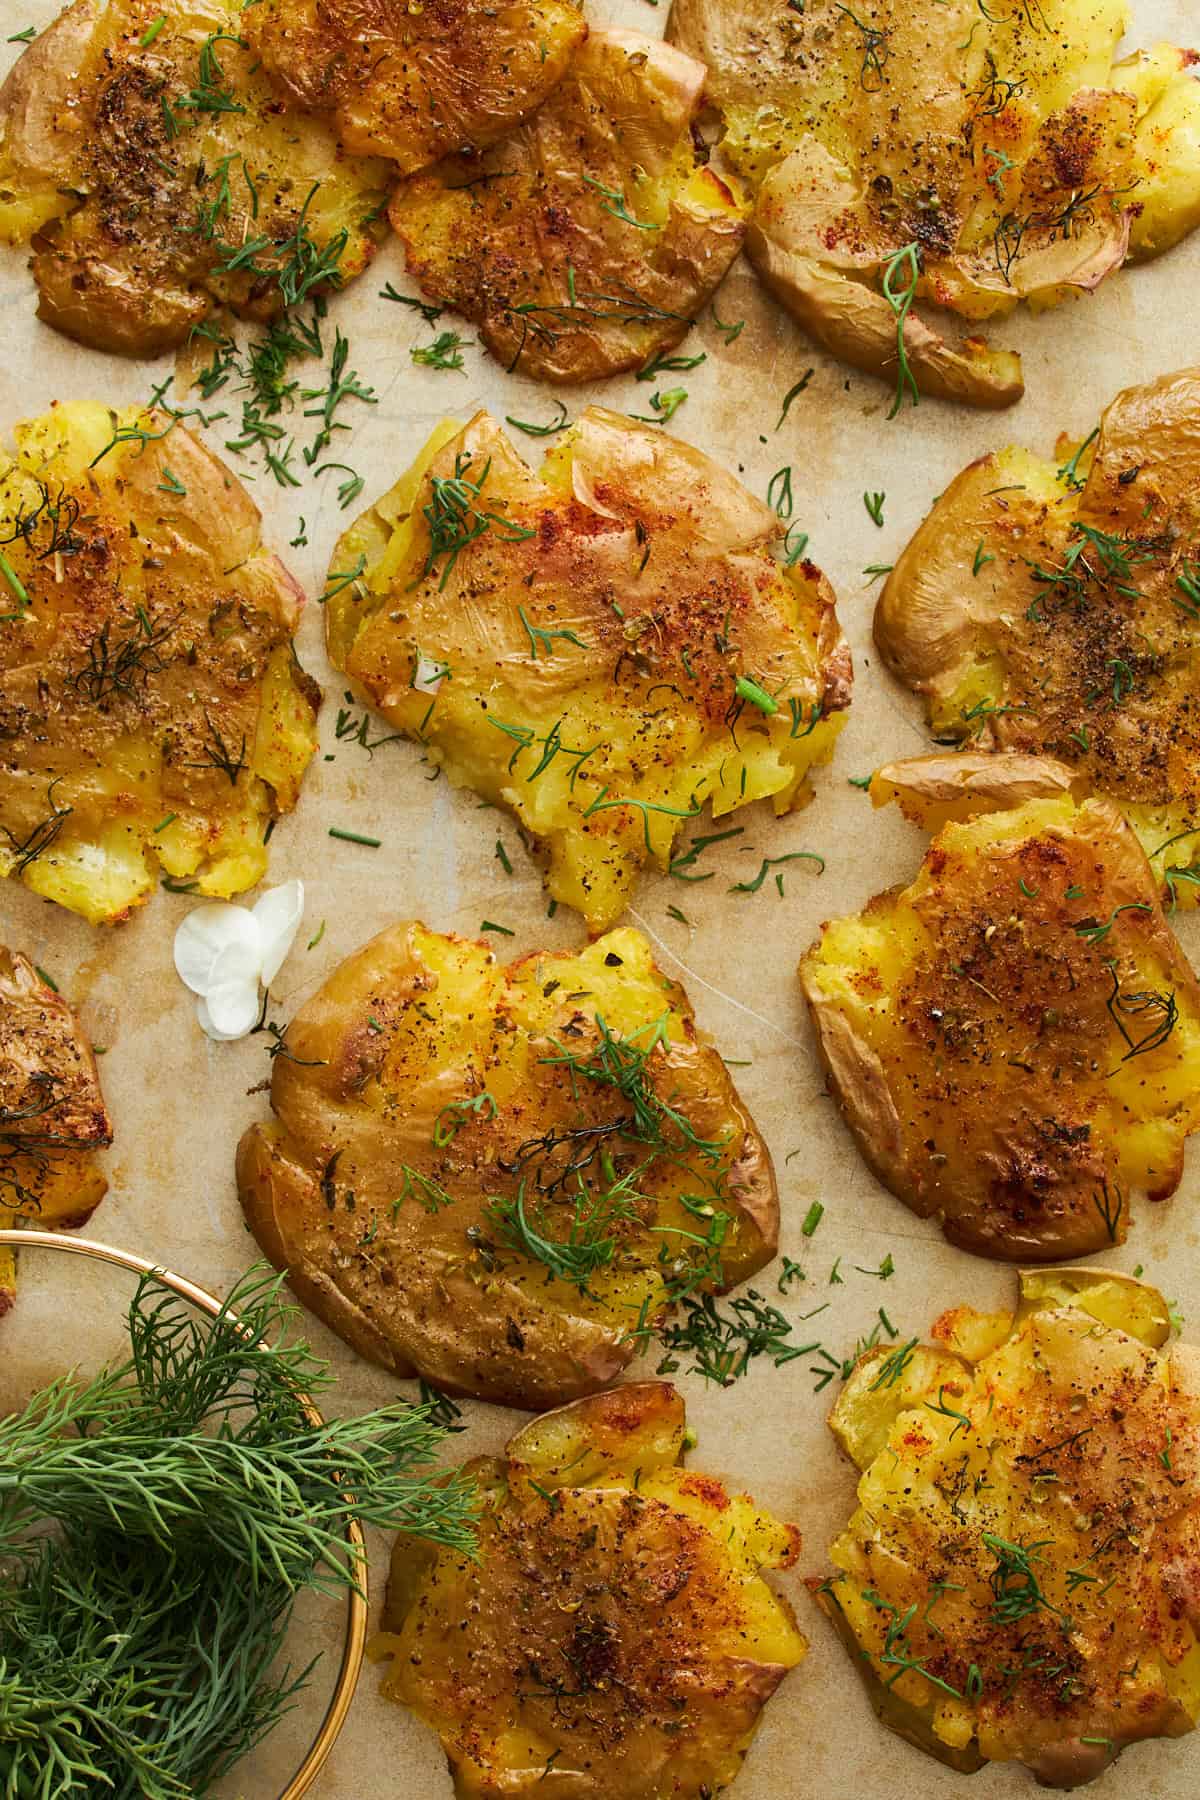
<point>499,1178</point>
<point>1012,1039</point>
<point>602,648</point>
<point>615,1639</point>
<point>52,1113</point>
<point>1019,1580</point>
<point>589,239</point>
<point>156,173</point>
<point>960,154</point>
<point>414,83</point>
<point>151,710</point>
<point>1055,611</point>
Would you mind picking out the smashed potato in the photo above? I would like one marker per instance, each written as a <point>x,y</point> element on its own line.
<point>602,648</point>
<point>1054,610</point>
<point>1018,1582</point>
<point>1012,1039</point>
<point>590,238</point>
<point>414,83</point>
<point>52,1113</point>
<point>151,712</point>
<point>154,170</point>
<point>968,156</point>
<point>614,1639</point>
<point>499,1179</point>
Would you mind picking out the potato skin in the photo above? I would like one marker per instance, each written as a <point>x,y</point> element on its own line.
<point>1098,671</point>
<point>151,672</point>
<point>133,197</point>
<point>973,1027</point>
<point>533,240</point>
<point>647,571</point>
<point>416,83</point>
<point>52,1112</point>
<point>970,133</point>
<point>413,1025</point>
<point>620,1642</point>
<point>1053,1632</point>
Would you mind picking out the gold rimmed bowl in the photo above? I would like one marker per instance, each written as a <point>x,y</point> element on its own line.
<point>73,1298</point>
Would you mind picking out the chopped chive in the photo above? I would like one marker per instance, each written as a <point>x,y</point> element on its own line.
<point>163,823</point>
<point>23,37</point>
<point>813,1217</point>
<point>320,933</point>
<point>14,580</point>
<point>503,858</point>
<point>354,837</point>
<point>491,925</point>
<point>48,979</point>
<point>745,689</point>
<point>874,506</point>
<point>981,561</point>
<point>793,392</point>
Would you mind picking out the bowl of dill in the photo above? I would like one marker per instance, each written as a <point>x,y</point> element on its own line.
<point>182,1563</point>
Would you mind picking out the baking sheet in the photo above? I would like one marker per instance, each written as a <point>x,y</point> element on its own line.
<point>180,1103</point>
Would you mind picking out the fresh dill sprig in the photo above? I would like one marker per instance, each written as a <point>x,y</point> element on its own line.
<point>190,1499</point>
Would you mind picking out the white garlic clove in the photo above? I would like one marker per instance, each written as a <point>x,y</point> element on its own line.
<point>277,915</point>
<point>205,933</point>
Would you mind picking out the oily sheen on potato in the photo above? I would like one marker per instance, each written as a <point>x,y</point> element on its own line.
<point>52,1112</point>
<point>151,164</point>
<point>1012,1038</point>
<point>1018,1580</point>
<point>614,1638</point>
<point>966,155</point>
<point>590,238</point>
<point>414,83</point>
<point>1051,607</point>
<point>603,648</point>
<point>499,1178</point>
<point>153,719</point>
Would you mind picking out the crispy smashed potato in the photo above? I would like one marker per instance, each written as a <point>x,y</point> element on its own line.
<point>1019,1580</point>
<point>589,239</point>
<point>414,83</point>
<point>151,712</point>
<point>602,648</point>
<point>615,1639</point>
<point>1012,1039</point>
<point>155,171</point>
<point>968,156</point>
<point>52,1113</point>
<point>499,1178</point>
<point>1053,609</point>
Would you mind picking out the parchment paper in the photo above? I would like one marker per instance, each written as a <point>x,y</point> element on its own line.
<point>179,1103</point>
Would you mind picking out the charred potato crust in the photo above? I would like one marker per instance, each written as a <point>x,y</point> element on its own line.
<point>1012,1039</point>
<point>594,630</point>
<point>152,715</point>
<point>445,1131</point>
<point>414,83</point>
<point>1053,609</point>
<point>620,1642</point>
<point>155,172</point>
<point>52,1113</point>
<point>1019,1580</point>
<point>590,238</point>
<point>1003,144</point>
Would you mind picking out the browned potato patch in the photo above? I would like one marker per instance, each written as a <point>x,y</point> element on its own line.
<point>1012,1038</point>
<point>1018,1580</point>
<point>152,715</point>
<point>498,1179</point>
<point>151,165</point>
<point>52,1113</point>
<point>1052,608</point>
<point>621,1640</point>
<point>414,83</point>
<point>591,237</point>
